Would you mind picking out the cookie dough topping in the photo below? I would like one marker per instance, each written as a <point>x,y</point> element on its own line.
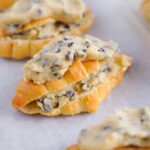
<point>128,127</point>
<point>54,59</point>
<point>25,11</point>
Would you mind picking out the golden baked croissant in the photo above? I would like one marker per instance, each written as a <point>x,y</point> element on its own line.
<point>70,76</point>
<point>127,129</point>
<point>21,39</point>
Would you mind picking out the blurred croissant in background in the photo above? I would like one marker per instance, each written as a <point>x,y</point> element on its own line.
<point>5,4</point>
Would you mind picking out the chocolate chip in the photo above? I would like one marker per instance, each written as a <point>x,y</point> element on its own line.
<point>81,54</point>
<point>84,50</point>
<point>57,75</point>
<point>56,105</point>
<point>69,56</point>
<point>16,25</point>
<point>75,56</point>
<point>142,120</point>
<point>87,44</point>
<point>101,50</point>
<point>107,69</point>
<point>70,44</point>
<point>66,38</point>
<point>39,12</point>
<point>41,99</point>
<point>83,15</point>
<point>106,127</point>
<point>70,94</point>
<point>66,26</point>
<point>46,107</point>
<point>84,86</point>
<point>21,33</point>
<point>77,24</point>
<point>58,23</point>
<point>55,66</point>
<point>58,50</point>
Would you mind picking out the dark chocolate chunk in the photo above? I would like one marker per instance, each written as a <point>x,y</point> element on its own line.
<point>57,75</point>
<point>70,44</point>
<point>58,50</point>
<point>70,94</point>
<point>101,50</point>
<point>41,99</point>
<point>107,69</point>
<point>55,66</point>
<point>66,38</point>
<point>75,56</point>
<point>17,25</point>
<point>84,50</point>
<point>46,107</point>
<point>81,53</point>
<point>106,127</point>
<point>87,44</point>
<point>77,24</point>
<point>85,86</point>
<point>66,26</point>
<point>69,56</point>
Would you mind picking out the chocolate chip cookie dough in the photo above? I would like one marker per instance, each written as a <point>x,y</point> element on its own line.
<point>70,76</point>
<point>29,24</point>
<point>145,7</point>
<point>127,129</point>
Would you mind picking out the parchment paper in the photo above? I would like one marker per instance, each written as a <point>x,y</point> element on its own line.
<point>114,19</point>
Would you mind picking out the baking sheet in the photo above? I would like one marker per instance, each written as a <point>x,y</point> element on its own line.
<point>116,20</point>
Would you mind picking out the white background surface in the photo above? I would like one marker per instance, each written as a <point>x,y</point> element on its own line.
<point>114,20</point>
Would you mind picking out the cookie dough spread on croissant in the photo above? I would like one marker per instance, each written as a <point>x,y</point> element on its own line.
<point>29,24</point>
<point>70,76</point>
<point>127,129</point>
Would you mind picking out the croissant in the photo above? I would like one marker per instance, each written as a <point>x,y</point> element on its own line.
<point>21,37</point>
<point>6,4</point>
<point>56,83</point>
<point>127,129</point>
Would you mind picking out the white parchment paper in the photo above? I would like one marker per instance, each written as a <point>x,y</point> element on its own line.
<point>114,19</point>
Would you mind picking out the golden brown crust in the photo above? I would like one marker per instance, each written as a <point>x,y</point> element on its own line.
<point>145,8</point>
<point>76,147</point>
<point>24,94</point>
<point>19,49</point>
